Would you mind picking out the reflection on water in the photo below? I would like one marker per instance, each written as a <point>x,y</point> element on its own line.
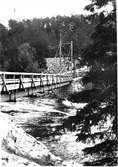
<point>43,118</point>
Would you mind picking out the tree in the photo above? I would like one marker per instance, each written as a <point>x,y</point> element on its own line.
<point>26,58</point>
<point>42,34</point>
<point>3,39</point>
<point>100,113</point>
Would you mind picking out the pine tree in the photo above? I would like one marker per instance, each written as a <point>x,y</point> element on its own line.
<point>101,57</point>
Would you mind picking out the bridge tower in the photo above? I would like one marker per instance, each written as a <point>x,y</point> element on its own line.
<point>69,58</point>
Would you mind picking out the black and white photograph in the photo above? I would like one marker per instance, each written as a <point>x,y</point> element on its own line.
<point>58,83</point>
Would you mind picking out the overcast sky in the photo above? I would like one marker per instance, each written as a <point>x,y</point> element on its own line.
<point>28,9</point>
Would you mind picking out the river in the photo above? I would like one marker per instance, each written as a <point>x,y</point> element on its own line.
<point>42,118</point>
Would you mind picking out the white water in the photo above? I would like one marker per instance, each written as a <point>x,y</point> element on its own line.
<point>28,112</point>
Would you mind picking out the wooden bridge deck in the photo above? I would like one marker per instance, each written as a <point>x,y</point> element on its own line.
<point>11,84</point>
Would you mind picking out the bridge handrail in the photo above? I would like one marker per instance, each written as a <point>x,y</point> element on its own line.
<point>30,74</point>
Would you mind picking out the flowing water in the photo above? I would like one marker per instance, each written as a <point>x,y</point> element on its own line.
<point>43,118</point>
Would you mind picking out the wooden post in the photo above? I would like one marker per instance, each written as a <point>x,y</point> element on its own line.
<point>48,82</point>
<point>21,86</point>
<point>41,83</point>
<point>32,82</point>
<point>60,49</point>
<point>57,82</point>
<point>71,53</point>
<point>53,82</point>
<point>4,87</point>
<point>72,60</point>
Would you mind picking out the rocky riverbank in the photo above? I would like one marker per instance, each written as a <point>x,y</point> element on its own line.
<point>30,135</point>
<point>21,149</point>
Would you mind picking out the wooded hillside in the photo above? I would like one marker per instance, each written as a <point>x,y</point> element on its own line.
<point>25,44</point>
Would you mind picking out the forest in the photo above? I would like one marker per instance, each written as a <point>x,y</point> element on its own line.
<point>25,44</point>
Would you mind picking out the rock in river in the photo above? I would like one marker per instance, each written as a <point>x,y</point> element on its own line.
<point>21,148</point>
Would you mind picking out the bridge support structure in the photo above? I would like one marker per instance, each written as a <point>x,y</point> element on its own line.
<point>14,85</point>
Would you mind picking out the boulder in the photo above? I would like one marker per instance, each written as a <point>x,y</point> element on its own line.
<point>16,141</point>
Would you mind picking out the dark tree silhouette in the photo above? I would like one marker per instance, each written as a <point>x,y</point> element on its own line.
<point>100,56</point>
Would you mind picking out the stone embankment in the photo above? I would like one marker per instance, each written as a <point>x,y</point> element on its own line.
<point>19,149</point>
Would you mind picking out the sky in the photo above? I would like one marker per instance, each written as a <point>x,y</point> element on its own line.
<point>28,9</point>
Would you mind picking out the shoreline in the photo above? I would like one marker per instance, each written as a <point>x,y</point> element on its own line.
<point>19,147</point>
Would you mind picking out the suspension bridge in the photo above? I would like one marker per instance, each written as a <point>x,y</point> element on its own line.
<point>17,84</point>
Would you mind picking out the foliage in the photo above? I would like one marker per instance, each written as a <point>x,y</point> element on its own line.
<point>97,121</point>
<point>38,38</point>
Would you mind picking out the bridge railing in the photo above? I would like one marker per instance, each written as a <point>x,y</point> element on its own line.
<point>17,80</point>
